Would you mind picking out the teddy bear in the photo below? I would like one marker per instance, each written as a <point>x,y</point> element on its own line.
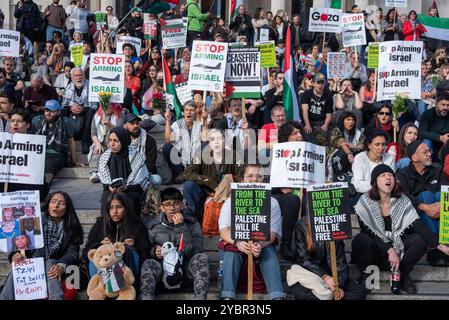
<point>113,279</point>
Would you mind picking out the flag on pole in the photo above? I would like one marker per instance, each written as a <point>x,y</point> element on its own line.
<point>169,87</point>
<point>235,4</point>
<point>289,95</point>
<point>335,4</point>
<point>437,28</point>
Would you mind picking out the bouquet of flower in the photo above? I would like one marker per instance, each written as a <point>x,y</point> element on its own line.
<point>158,101</point>
<point>399,104</point>
<point>104,98</point>
<point>434,78</point>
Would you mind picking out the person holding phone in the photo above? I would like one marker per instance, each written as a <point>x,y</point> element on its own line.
<point>37,94</point>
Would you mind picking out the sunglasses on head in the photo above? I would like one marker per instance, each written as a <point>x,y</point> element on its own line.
<point>384,113</point>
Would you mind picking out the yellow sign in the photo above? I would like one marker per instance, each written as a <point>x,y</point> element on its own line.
<point>76,54</point>
<point>444,215</point>
<point>267,54</point>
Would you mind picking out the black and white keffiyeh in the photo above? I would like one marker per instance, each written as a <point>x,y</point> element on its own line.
<point>53,234</point>
<point>136,161</point>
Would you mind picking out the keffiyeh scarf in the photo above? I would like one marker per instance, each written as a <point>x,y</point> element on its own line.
<point>53,234</point>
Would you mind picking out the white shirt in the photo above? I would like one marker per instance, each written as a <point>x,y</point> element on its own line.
<point>363,167</point>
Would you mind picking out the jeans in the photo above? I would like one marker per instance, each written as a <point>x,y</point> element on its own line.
<point>428,197</point>
<point>50,30</point>
<point>195,197</point>
<point>402,163</point>
<point>269,265</point>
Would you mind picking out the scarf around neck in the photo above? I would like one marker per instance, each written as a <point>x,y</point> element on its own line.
<point>53,234</point>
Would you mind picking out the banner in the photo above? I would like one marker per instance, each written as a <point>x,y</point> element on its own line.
<point>243,72</point>
<point>174,33</point>
<point>29,278</point>
<point>107,74</point>
<point>22,158</point>
<point>208,64</point>
<point>353,30</point>
<point>121,40</point>
<point>100,19</point>
<point>267,54</point>
<point>183,92</point>
<point>325,20</point>
<point>336,65</point>
<point>444,215</point>
<point>373,56</point>
<point>149,26</point>
<point>396,3</point>
<point>76,54</point>
<point>329,211</point>
<point>250,211</point>
<point>399,69</point>
<point>9,43</point>
<point>297,165</point>
<point>20,221</point>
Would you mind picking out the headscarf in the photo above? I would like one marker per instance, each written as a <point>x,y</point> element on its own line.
<point>119,165</point>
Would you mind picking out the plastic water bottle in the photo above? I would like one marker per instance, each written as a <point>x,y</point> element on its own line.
<point>395,278</point>
<point>220,275</point>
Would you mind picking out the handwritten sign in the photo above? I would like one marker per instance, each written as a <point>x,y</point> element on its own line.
<point>29,279</point>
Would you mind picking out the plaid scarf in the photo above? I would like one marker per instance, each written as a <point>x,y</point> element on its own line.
<point>53,234</point>
<point>58,140</point>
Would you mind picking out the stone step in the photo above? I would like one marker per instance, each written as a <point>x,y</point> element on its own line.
<point>74,173</point>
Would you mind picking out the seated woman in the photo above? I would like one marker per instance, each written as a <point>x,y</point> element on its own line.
<point>63,235</point>
<point>133,83</point>
<point>392,235</point>
<point>233,251</point>
<point>202,179</point>
<point>345,142</point>
<point>384,121</point>
<point>314,258</point>
<point>118,162</point>
<point>119,223</point>
<point>368,97</point>
<point>408,133</point>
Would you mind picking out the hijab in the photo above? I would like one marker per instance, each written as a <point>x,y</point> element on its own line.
<point>119,165</point>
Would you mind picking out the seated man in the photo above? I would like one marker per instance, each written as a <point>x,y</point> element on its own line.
<point>59,133</point>
<point>78,108</point>
<point>34,97</point>
<point>186,236</point>
<point>6,105</point>
<point>269,132</point>
<point>264,250</point>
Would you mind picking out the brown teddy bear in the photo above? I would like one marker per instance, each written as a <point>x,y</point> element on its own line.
<point>114,279</point>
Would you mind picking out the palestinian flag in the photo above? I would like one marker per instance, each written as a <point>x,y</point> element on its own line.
<point>335,4</point>
<point>437,28</point>
<point>289,95</point>
<point>235,4</point>
<point>170,90</point>
<point>158,6</point>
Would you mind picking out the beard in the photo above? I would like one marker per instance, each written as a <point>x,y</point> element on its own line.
<point>135,133</point>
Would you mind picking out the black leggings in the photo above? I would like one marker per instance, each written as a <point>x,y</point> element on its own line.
<point>353,291</point>
<point>365,252</point>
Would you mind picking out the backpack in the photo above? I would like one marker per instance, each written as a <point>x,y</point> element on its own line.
<point>185,13</point>
<point>151,201</point>
<point>211,214</point>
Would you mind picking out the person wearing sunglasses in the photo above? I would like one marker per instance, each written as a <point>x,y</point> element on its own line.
<point>439,59</point>
<point>383,120</point>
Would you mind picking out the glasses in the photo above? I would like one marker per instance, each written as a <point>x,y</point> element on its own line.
<point>252,176</point>
<point>384,113</point>
<point>57,202</point>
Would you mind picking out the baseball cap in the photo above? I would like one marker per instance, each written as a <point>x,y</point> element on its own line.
<point>131,117</point>
<point>319,77</point>
<point>52,105</point>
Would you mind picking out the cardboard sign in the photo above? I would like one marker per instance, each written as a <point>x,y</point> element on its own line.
<point>107,74</point>
<point>100,19</point>
<point>30,282</point>
<point>267,54</point>
<point>121,40</point>
<point>20,221</point>
<point>297,165</point>
<point>264,35</point>
<point>396,3</point>
<point>22,158</point>
<point>329,212</point>
<point>149,26</point>
<point>444,215</point>
<point>9,43</point>
<point>399,69</point>
<point>325,20</point>
<point>184,93</point>
<point>336,65</point>
<point>353,30</point>
<point>208,64</point>
<point>76,54</point>
<point>373,56</point>
<point>174,33</point>
<point>243,72</point>
<point>250,211</point>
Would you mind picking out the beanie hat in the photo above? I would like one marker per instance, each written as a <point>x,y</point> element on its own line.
<point>411,148</point>
<point>381,168</point>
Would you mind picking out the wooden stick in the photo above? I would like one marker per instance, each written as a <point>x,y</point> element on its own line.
<point>250,273</point>
<point>301,195</point>
<point>356,55</point>
<point>334,270</point>
<point>324,40</point>
<point>5,187</point>
<point>394,129</point>
<point>204,98</point>
<point>243,110</point>
<point>270,83</point>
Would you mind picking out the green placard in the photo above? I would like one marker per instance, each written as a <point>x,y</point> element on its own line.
<point>76,54</point>
<point>100,18</point>
<point>267,54</point>
<point>373,56</point>
<point>444,215</point>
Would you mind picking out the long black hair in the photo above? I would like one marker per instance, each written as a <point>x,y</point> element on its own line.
<point>286,129</point>
<point>128,221</point>
<point>72,225</point>
<point>341,124</point>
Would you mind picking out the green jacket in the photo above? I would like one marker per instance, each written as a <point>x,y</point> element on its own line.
<point>196,18</point>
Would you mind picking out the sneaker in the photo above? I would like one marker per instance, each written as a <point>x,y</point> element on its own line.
<point>407,284</point>
<point>94,178</point>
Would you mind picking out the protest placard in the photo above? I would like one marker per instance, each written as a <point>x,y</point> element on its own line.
<point>183,92</point>
<point>207,67</point>
<point>149,26</point>
<point>251,211</point>
<point>9,43</point>
<point>336,65</point>
<point>329,211</point>
<point>100,19</point>
<point>107,75</point>
<point>174,33</point>
<point>264,35</point>
<point>399,69</point>
<point>76,54</point>
<point>121,40</point>
<point>373,56</point>
<point>444,215</point>
<point>243,72</point>
<point>396,3</point>
<point>267,54</point>
<point>297,164</point>
<point>325,20</point>
<point>30,282</point>
<point>20,221</point>
<point>22,158</point>
<point>353,30</point>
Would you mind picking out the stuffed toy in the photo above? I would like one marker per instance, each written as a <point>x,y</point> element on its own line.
<point>113,279</point>
<point>172,264</point>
